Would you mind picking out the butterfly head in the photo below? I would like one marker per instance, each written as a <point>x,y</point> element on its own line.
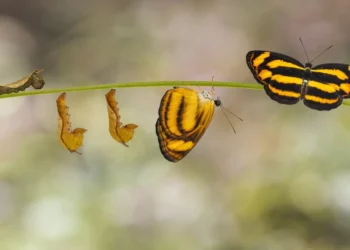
<point>308,65</point>
<point>218,102</point>
<point>207,95</point>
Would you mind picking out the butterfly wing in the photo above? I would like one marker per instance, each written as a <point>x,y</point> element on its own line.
<point>328,85</point>
<point>334,74</point>
<point>184,116</point>
<point>281,75</point>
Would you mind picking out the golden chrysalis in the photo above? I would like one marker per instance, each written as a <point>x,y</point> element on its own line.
<point>71,140</point>
<point>120,133</point>
<point>35,80</point>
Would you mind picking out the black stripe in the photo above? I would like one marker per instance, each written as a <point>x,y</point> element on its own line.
<point>273,58</point>
<point>164,119</point>
<point>199,117</point>
<point>167,107</point>
<point>161,141</point>
<point>326,78</point>
<point>166,152</point>
<point>317,92</point>
<point>280,99</point>
<point>287,71</point>
<point>323,106</point>
<point>195,137</point>
<point>162,103</point>
<point>164,107</point>
<point>333,79</point>
<point>296,88</point>
<point>180,115</point>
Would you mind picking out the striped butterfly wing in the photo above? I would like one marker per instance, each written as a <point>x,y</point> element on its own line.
<point>184,116</point>
<point>335,74</point>
<point>281,75</point>
<point>328,86</point>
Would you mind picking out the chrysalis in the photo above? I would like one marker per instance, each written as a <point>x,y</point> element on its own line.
<point>34,79</point>
<point>71,140</point>
<point>120,133</point>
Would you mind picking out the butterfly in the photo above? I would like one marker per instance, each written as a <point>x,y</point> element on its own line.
<point>184,116</point>
<point>287,80</point>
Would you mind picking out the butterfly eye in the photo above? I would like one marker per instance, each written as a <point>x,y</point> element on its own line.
<point>218,102</point>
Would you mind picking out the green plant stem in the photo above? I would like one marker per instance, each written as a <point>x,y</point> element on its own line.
<point>133,85</point>
<point>252,86</point>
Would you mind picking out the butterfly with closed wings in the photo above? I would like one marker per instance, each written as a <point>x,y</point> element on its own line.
<point>184,116</point>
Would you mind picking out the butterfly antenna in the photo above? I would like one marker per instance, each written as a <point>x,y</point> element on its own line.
<point>321,53</point>
<point>212,86</point>
<point>239,118</point>
<point>228,119</point>
<point>307,57</point>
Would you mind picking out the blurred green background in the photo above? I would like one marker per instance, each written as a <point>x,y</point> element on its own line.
<point>281,182</point>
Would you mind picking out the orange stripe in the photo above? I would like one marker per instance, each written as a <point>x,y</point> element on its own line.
<point>320,100</point>
<point>323,87</point>
<point>287,79</point>
<point>260,59</point>
<point>265,74</point>
<point>334,72</point>
<point>345,87</point>
<point>283,93</point>
<point>280,63</point>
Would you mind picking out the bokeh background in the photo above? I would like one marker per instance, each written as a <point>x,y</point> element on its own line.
<point>281,182</point>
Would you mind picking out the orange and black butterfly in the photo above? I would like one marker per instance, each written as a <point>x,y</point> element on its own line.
<point>184,116</point>
<point>287,81</point>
